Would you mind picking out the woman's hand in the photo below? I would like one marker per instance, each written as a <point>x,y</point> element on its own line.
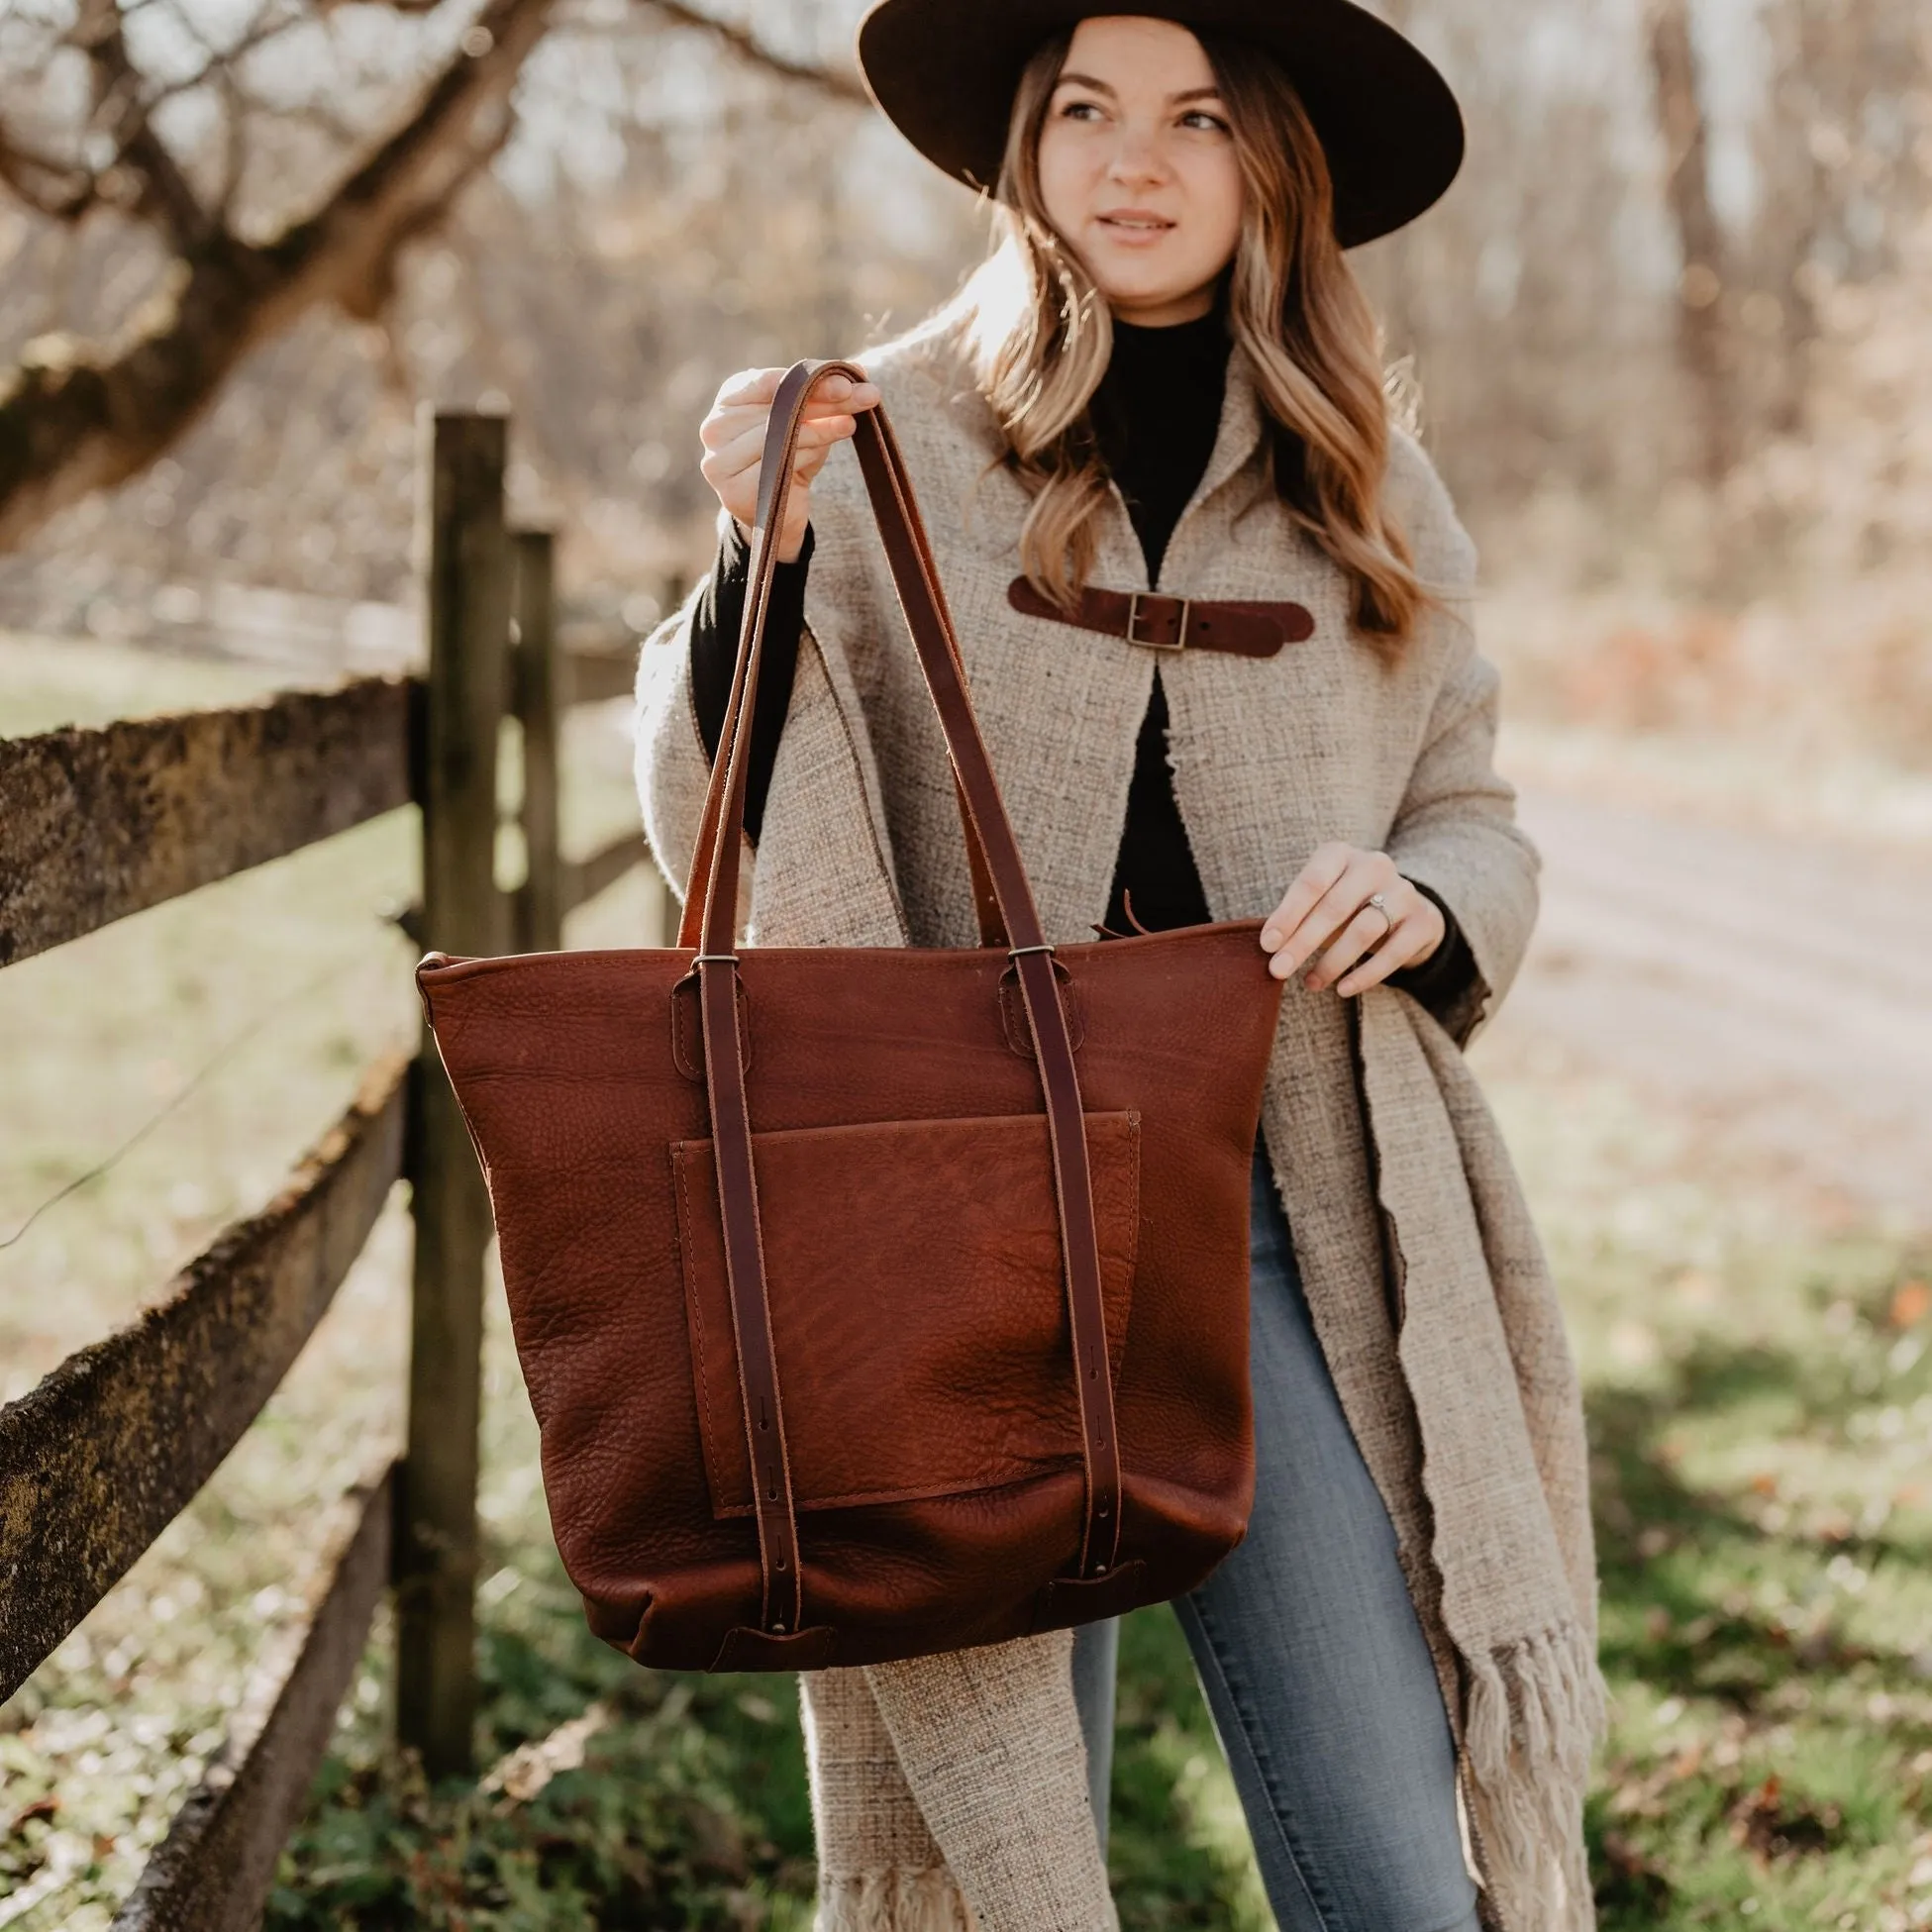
<point>733,435</point>
<point>1327,912</point>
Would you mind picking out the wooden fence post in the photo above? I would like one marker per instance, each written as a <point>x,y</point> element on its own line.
<point>533,697</point>
<point>468,609</point>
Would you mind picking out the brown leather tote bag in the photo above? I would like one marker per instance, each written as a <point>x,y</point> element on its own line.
<point>872,1301</point>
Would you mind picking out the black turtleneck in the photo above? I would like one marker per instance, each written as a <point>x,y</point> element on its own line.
<point>1155,416</point>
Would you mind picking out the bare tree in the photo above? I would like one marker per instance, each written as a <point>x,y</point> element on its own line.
<point>79,416</point>
<point>679,195</point>
<point>1702,321</point>
<point>830,82</point>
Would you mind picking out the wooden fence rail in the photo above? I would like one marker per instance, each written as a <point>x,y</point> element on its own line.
<point>214,1869</point>
<point>98,1459</point>
<point>111,1447</point>
<point>586,878</point>
<point>595,676</point>
<point>99,824</point>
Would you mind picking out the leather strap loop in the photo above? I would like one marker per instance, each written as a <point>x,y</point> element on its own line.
<point>1008,919</point>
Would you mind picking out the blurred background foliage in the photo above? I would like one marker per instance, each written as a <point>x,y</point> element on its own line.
<point>1669,327</point>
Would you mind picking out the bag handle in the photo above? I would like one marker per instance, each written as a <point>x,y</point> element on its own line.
<point>720,797</point>
<point>1003,896</point>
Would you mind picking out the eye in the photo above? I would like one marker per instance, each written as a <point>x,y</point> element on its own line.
<point>1079,110</point>
<point>1199,119</point>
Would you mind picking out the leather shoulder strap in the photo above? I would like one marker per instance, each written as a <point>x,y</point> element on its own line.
<point>1002,889</point>
<point>724,800</point>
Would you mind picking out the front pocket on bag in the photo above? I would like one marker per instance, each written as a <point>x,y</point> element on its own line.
<point>918,1303</point>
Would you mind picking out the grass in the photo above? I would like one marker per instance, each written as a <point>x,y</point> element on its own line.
<point>1761,1414</point>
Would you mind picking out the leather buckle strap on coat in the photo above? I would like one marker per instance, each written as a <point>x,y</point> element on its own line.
<point>1161,623</point>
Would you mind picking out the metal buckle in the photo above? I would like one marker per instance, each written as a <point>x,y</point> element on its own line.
<point>1134,601</point>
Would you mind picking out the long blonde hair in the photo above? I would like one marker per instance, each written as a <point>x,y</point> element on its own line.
<point>1041,335</point>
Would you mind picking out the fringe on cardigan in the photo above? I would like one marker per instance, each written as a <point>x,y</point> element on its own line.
<point>895,1900</point>
<point>1533,1713</point>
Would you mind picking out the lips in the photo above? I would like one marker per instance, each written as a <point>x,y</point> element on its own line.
<point>1134,221</point>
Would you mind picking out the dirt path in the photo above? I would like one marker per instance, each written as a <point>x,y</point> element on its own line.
<point>1780,990</point>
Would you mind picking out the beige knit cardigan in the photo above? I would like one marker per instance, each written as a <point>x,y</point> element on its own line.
<point>1384,1151</point>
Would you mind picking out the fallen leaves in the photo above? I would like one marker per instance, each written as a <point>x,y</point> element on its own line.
<point>521,1774</point>
<point>1771,1826</point>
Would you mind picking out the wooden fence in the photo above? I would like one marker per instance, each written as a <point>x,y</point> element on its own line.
<point>99,1458</point>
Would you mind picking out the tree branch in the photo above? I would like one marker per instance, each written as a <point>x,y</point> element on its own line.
<point>79,420</point>
<point>167,194</point>
<point>840,86</point>
<point>1702,328</point>
<point>59,190</point>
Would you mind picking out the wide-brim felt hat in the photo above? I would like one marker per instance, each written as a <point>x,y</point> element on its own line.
<point>945,71</point>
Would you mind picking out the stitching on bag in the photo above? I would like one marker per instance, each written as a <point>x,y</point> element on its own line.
<point>447,1027</point>
<point>1129,1576</point>
<point>798,1617</point>
<point>984,1482</point>
<point>687,1038</point>
<point>1012,1013</point>
<point>681,1055</point>
<point>695,1301</point>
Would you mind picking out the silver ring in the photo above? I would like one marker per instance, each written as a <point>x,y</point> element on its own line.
<point>1389,923</point>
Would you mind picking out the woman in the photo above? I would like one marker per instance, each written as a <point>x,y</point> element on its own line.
<point>1166,375</point>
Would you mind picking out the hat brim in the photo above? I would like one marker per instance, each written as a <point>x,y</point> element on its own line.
<point>943,73</point>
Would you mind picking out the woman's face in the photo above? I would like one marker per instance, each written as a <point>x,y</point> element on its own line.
<point>1137,168</point>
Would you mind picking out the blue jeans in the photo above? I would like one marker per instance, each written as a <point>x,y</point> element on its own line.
<point>1311,1655</point>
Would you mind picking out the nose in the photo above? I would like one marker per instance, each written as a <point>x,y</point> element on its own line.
<point>1136,160</point>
